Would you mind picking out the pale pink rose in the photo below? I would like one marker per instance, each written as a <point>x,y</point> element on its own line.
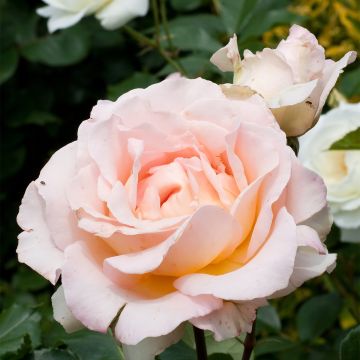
<point>294,79</point>
<point>175,204</point>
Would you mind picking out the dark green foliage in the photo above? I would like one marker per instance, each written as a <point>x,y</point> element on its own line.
<point>49,84</point>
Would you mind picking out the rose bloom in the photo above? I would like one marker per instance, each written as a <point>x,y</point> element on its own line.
<point>295,79</point>
<point>175,204</point>
<point>340,169</point>
<point>111,13</point>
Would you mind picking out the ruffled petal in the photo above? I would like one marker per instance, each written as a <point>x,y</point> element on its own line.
<point>271,267</point>
<point>90,295</point>
<point>150,318</point>
<point>36,247</point>
<point>230,320</point>
<point>148,348</point>
<point>62,313</point>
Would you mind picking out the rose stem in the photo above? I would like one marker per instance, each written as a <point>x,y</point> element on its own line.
<point>200,343</point>
<point>249,343</point>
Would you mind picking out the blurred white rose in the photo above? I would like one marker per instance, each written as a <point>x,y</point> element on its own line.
<point>340,169</point>
<point>111,13</point>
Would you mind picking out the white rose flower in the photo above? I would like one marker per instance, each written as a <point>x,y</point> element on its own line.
<point>340,169</point>
<point>111,13</point>
<point>295,79</point>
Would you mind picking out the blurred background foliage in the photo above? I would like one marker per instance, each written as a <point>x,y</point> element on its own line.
<point>50,82</point>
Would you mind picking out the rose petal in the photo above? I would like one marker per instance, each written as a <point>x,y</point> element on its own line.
<point>148,348</point>
<point>227,58</point>
<point>308,265</point>
<point>330,75</point>
<point>230,320</point>
<point>87,289</point>
<point>150,318</point>
<point>190,248</point>
<point>266,72</point>
<point>271,267</point>
<point>302,201</point>
<point>52,183</point>
<point>118,12</point>
<point>62,313</point>
<point>36,247</point>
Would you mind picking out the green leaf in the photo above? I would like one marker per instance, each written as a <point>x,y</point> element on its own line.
<point>194,65</point>
<point>268,316</point>
<point>53,354</point>
<point>179,351</point>
<point>67,47</point>
<point>265,20</point>
<point>92,345</point>
<point>8,64</point>
<point>232,347</point>
<point>35,117</point>
<point>220,357</point>
<point>234,13</point>
<point>137,80</point>
<point>12,159</point>
<point>350,83</point>
<point>25,279</point>
<point>272,345</point>
<point>210,23</point>
<point>350,141</point>
<point>194,38</point>
<point>317,315</point>
<point>185,5</point>
<point>17,322</point>
<point>350,346</point>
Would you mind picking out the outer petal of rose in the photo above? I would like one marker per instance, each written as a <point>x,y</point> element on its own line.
<point>228,114</point>
<point>266,73</point>
<point>118,12</point>
<point>148,348</point>
<point>296,119</point>
<point>228,56</point>
<point>321,222</point>
<point>272,267</point>
<point>152,318</point>
<point>191,247</point>
<point>230,320</point>
<point>269,200</point>
<point>303,53</point>
<point>60,19</point>
<point>62,313</point>
<point>52,183</point>
<point>90,295</point>
<point>184,92</point>
<point>313,195</point>
<point>309,237</point>
<point>330,75</point>
<point>36,247</point>
<point>308,265</point>
<point>294,94</point>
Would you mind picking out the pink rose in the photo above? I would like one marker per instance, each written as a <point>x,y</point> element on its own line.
<point>175,204</point>
<point>295,79</point>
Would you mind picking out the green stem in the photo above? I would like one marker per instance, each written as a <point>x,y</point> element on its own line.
<point>145,41</point>
<point>165,23</point>
<point>249,343</point>
<point>155,11</point>
<point>200,344</point>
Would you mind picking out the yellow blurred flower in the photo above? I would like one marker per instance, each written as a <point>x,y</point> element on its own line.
<point>336,23</point>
